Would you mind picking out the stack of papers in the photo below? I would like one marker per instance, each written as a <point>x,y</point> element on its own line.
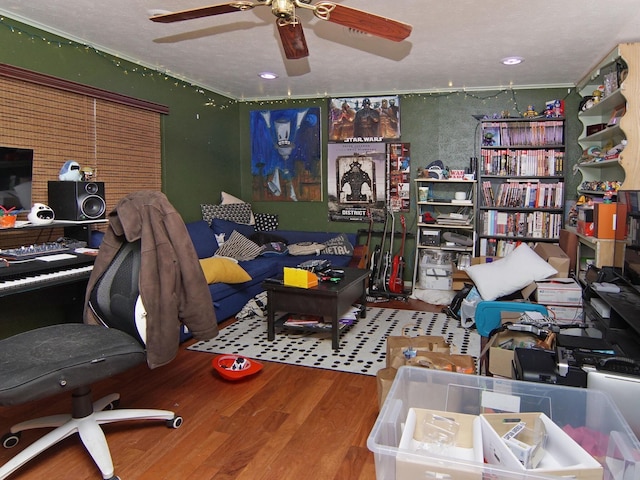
<point>453,219</point>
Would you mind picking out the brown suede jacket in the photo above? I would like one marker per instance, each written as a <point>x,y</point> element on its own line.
<point>172,285</point>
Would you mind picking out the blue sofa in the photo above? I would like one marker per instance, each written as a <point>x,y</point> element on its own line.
<point>228,299</point>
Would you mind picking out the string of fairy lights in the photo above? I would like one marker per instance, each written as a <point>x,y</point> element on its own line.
<point>129,68</point>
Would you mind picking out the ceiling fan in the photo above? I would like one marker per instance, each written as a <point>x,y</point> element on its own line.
<point>290,28</point>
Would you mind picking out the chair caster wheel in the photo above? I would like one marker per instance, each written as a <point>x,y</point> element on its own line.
<point>175,422</point>
<point>112,406</point>
<point>10,440</point>
<point>115,477</point>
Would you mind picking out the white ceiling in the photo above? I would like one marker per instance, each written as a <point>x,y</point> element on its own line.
<point>455,44</point>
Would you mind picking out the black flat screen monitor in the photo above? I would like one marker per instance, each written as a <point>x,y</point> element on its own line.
<point>627,248</point>
<point>16,171</point>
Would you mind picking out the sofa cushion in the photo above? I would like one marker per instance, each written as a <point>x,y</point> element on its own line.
<point>339,245</point>
<point>235,212</point>
<point>239,247</point>
<point>220,269</point>
<point>203,238</point>
<point>306,248</point>
<point>227,198</point>
<point>266,222</point>
<point>258,269</point>
<point>226,228</point>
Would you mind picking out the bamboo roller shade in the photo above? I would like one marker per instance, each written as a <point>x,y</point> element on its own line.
<point>120,142</point>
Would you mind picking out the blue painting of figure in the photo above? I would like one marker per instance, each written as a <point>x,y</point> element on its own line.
<point>286,155</point>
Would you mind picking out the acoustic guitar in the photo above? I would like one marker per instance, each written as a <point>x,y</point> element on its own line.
<point>360,258</point>
<point>396,282</point>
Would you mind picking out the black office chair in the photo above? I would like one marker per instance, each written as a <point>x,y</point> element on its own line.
<point>69,357</point>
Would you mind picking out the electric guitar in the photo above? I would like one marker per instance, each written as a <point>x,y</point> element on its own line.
<point>396,282</point>
<point>387,255</point>
<point>360,258</point>
<point>375,280</point>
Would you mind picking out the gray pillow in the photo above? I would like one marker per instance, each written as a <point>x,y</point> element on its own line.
<point>234,212</point>
<point>339,245</point>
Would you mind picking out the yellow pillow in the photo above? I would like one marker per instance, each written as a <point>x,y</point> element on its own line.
<point>223,270</point>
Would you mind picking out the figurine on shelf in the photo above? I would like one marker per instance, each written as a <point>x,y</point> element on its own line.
<point>487,139</point>
<point>608,196</point>
<point>530,112</point>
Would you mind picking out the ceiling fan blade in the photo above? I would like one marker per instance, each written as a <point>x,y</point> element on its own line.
<point>293,41</point>
<point>363,21</point>
<point>200,12</point>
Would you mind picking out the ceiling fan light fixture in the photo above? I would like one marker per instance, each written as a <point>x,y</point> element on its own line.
<point>512,60</point>
<point>268,75</point>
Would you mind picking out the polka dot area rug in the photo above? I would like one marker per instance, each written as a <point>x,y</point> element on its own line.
<point>362,345</point>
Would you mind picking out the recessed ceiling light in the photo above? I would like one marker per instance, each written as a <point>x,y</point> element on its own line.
<point>268,75</point>
<point>512,60</point>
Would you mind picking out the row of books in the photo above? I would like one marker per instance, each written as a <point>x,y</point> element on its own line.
<point>524,194</point>
<point>539,162</point>
<point>318,321</point>
<point>550,132</point>
<point>494,247</point>
<point>521,224</point>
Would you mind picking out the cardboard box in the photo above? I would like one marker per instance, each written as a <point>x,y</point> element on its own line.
<point>559,291</point>
<point>554,256</point>
<point>604,220</point>
<point>415,460</point>
<point>562,455</point>
<point>563,314</point>
<point>502,346</point>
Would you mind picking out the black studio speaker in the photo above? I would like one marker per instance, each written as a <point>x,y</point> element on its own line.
<point>77,200</point>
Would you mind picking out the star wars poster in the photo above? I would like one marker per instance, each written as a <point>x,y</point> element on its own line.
<point>364,119</point>
<point>357,181</point>
<point>286,155</point>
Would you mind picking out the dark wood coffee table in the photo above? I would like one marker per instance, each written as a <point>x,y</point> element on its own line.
<point>327,299</point>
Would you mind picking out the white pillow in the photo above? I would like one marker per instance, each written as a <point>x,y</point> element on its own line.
<point>509,274</point>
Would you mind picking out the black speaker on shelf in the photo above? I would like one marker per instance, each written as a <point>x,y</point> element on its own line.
<point>77,200</point>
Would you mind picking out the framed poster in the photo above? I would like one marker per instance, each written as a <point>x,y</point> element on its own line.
<point>399,176</point>
<point>286,155</point>
<point>357,181</point>
<point>364,119</point>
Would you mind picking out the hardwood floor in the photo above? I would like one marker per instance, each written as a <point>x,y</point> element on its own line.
<point>286,423</point>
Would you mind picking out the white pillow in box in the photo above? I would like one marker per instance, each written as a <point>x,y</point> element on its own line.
<point>509,274</point>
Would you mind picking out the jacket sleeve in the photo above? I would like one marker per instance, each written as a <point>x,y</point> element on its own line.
<point>195,302</point>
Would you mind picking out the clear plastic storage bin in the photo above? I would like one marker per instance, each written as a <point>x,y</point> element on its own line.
<point>589,417</point>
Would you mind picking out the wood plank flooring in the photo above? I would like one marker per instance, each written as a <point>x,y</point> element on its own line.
<point>287,423</point>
